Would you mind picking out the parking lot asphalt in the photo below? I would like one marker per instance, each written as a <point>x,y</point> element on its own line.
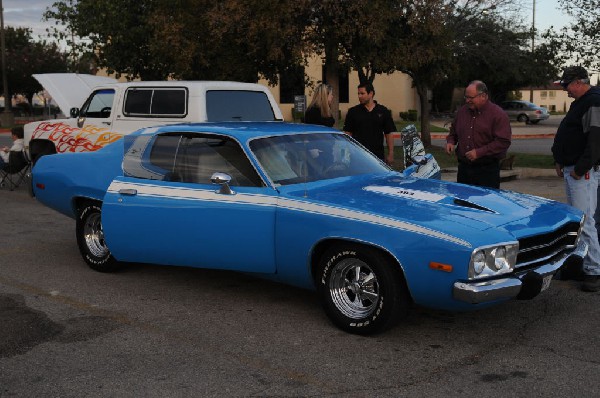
<point>158,331</point>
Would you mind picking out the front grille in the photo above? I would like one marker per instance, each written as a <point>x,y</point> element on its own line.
<point>538,249</point>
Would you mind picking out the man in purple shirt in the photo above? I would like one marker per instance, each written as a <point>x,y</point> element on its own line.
<point>480,135</point>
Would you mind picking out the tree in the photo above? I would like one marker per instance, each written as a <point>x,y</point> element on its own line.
<point>25,57</point>
<point>186,39</point>
<point>115,32</point>
<point>578,42</point>
<point>352,35</point>
<point>425,52</point>
<point>497,50</point>
<point>230,40</point>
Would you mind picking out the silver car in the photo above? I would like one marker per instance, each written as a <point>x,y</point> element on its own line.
<point>525,111</point>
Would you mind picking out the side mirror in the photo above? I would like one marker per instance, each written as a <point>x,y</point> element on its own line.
<point>223,180</point>
<point>74,112</point>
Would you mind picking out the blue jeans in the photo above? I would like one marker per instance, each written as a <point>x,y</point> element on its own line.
<point>583,195</point>
<point>597,215</point>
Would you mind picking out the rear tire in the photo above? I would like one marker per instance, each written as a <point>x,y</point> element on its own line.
<point>90,239</point>
<point>523,119</point>
<point>361,291</point>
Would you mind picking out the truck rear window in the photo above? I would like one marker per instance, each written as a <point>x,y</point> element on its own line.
<point>237,105</point>
<point>156,102</point>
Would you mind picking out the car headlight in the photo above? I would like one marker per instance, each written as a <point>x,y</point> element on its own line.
<point>493,260</point>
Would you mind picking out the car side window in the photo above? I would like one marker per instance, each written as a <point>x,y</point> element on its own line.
<point>99,104</point>
<point>199,157</point>
<point>156,102</point>
<point>191,158</point>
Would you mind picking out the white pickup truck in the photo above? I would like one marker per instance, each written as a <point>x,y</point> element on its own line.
<point>103,110</point>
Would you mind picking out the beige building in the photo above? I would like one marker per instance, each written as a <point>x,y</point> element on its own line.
<point>394,91</point>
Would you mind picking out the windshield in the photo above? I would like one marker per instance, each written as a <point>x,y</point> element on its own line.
<point>292,159</point>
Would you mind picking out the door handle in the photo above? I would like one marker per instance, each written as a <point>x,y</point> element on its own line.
<point>107,123</point>
<point>128,192</point>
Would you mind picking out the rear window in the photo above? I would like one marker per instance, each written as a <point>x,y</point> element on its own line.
<point>236,105</point>
<point>156,102</point>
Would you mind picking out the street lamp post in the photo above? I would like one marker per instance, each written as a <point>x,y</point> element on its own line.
<point>6,117</point>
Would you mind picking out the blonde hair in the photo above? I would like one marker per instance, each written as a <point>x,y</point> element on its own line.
<point>320,99</point>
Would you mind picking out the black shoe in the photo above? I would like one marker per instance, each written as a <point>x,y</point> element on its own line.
<point>591,283</point>
<point>571,270</point>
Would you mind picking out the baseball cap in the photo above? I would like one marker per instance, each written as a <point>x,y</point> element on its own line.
<point>571,73</point>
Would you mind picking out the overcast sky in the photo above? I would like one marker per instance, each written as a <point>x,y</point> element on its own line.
<point>28,13</point>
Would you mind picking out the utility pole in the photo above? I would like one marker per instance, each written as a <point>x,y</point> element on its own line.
<point>7,119</point>
<point>532,46</point>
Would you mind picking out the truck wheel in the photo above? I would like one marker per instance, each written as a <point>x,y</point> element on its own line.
<point>90,239</point>
<point>361,290</point>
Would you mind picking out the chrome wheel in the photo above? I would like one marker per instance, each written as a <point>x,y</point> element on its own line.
<point>354,288</point>
<point>94,237</point>
<point>361,289</point>
<point>91,242</point>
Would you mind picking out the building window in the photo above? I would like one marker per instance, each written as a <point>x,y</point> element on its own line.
<point>291,83</point>
<point>552,94</point>
<point>544,94</point>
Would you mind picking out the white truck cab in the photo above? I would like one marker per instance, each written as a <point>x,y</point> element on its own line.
<point>103,110</point>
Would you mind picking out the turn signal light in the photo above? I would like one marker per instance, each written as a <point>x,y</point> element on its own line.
<point>440,266</point>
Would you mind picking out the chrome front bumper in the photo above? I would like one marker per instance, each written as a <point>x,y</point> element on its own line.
<point>524,285</point>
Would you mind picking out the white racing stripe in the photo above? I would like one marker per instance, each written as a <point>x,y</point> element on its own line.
<point>183,193</point>
<point>406,193</point>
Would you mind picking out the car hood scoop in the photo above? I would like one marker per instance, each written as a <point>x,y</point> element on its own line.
<point>466,203</point>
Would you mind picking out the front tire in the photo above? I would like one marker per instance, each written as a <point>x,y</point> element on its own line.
<point>90,239</point>
<point>361,291</point>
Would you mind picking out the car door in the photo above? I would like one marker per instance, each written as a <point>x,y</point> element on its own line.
<point>95,119</point>
<point>167,211</point>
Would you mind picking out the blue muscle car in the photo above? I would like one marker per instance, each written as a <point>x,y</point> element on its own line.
<point>307,206</point>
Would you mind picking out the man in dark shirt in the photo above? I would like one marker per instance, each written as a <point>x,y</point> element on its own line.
<point>369,122</point>
<point>576,151</point>
<point>480,135</point>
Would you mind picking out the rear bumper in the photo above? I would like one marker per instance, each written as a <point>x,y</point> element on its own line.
<point>524,285</point>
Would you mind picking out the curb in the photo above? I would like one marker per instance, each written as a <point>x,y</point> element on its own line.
<point>438,136</point>
<point>519,172</point>
<point>514,136</point>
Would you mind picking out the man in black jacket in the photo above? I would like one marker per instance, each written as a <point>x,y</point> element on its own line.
<point>576,152</point>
